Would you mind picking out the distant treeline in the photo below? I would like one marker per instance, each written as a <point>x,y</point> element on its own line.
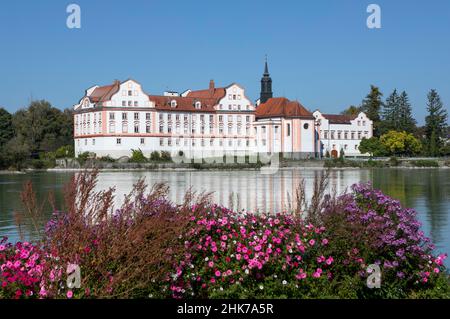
<point>34,136</point>
<point>395,129</point>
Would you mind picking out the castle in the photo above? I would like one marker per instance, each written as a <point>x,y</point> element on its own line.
<point>114,119</point>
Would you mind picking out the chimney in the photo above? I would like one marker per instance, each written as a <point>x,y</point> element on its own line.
<point>211,87</point>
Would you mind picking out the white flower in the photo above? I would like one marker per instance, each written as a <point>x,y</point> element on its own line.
<point>284,282</point>
<point>234,242</point>
<point>206,259</point>
<point>290,251</point>
<point>275,276</point>
<point>192,266</point>
<point>246,271</point>
<point>261,287</point>
<point>150,296</point>
<point>221,289</point>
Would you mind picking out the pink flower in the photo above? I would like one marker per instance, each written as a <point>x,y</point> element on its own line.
<point>258,248</point>
<point>312,242</point>
<point>238,256</point>
<point>329,260</point>
<point>324,241</point>
<point>436,270</point>
<point>69,294</point>
<point>2,247</point>
<point>214,248</point>
<point>217,273</point>
<point>211,264</point>
<point>224,237</point>
<point>213,280</point>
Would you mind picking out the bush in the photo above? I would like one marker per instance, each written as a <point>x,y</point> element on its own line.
<point>393,161</point>
<point>107,159</point>
<point>65,151</point>
<point>425,163</point>
<point>154,156</point>
<point>137,156</point>
<point>165,156</point>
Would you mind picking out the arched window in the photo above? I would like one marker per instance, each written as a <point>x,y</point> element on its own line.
<point>173,103</point>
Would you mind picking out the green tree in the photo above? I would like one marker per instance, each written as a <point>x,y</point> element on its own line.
<point>6,129</point>
<point>390,113</point>
<point>372,105</point>
<point>372,146</point>
<point>137,156</point>
<point>400,143</point>
<point>351,110</point>
<point>43,127</point>
<point>435,123</point>
<point>406,122</point>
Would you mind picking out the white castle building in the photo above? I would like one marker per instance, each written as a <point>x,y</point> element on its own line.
<point>115,119</point>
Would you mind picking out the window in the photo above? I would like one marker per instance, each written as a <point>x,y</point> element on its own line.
<point>136,127</point>
<point>161,142</point>
<point>211,118</point>
<point>359,135</point>
<point>332,135</point>
<point>169,142</point>
<point>142,141</point>
<point>198,105</point>
<point>124,128</point>
<point>118,141</point>
<point>169,129</point>
<point>306,126</point>
<point>211,142</point>
<point>220,118</point>
<point>353,135</point>
<point>339,135</point>
<point>130,93</point>
<point>112,128</point>
<point>161,117</point>
<point>161,129</point>
<point>135,103</point>
<point>173,103</point>
<point>359,123</point>
<point>93,141</point>
<point>136,116</point>
<point>85,142</point>
<point>356,147</point>
<point>147,116</point>
<point>124,103</point>
<point>147,128</point>
<point>111,116</point>
<point>345,135</point>
<point>276,129</point>
<point>124,116</point>
<point>325,134</point>
<point>247,118</point>
<point>288,130</point>
<point>345,147</point>
<point>364,123</point>
<point>263,129</point>
<point>130,103</point>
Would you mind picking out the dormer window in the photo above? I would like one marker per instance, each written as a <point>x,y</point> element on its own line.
<point>198,105</point>
<point>173,103</point>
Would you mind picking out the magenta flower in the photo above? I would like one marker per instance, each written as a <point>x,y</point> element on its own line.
<point>69,294</point>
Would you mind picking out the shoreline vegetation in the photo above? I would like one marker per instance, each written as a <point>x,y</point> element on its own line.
<point>235,163</point>
<point>330,247</point>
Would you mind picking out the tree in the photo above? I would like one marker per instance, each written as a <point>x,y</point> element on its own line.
<point>371,105</point>
<point>351,110</point>
<point>6,129</point>
<point>435,123</point>
<point>390,113</point>
<point>400,143</point>
<point>406,122</point>
<point>43,127</point>
<point>373,146</point>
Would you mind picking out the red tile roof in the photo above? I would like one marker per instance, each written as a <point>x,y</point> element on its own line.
<point>282,107</point>
<point>339,119</point>
<point>183,103</point>
<point>104,93</point>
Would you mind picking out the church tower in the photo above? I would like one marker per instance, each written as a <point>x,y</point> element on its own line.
<point>266,85</point>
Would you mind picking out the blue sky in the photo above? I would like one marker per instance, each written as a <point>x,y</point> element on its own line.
<point>320,52</point>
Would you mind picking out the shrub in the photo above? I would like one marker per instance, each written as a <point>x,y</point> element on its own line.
<point>155,156</point>
<point>65,151</point>
<point>165,156</point>
<point>137,156</point>
<point>425,163</point>
<point>367,227</point>
<point>107,159</point>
